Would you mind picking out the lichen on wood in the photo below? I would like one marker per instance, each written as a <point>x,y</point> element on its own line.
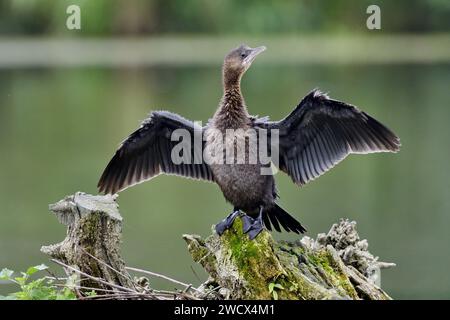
<point>335,266</point>
<point>92,243</point>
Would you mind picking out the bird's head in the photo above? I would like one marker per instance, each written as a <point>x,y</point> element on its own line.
<point>237,61</point>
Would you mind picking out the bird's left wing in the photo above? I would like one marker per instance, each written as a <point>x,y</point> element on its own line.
<point>147,153</point>
<point>321,132</point>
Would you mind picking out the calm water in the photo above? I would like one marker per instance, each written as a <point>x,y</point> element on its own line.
<point>58,129</point>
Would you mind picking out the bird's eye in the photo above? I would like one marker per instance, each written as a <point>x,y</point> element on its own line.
<point>243,55</point>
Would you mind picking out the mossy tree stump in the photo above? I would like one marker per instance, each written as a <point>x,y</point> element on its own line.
<point>335,266</point>
<point>92,244</point>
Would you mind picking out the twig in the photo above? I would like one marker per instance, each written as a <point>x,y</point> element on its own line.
<point>127,293</point>
<point>54,276</point>
<point>117,296</point>
<point>153,296</point>
<point>195,274</point>
<point>108,266</point>
<point>162,277</point>
<point>207,293</point>
<point>91,277</point>
<point>85,288</point>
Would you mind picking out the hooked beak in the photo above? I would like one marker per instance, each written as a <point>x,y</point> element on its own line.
<point>255,51</point>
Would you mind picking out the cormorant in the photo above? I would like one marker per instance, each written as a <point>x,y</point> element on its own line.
<point>319,133</point>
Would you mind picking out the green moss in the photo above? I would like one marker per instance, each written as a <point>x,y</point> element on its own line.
<point>249,267</point>
<point>290,289</point>
<point>262,261</point>
<point>242,250</point>
<point>337,278</point>
<point>199,253</point>
<point>254,259</point>
<point>90,227</point>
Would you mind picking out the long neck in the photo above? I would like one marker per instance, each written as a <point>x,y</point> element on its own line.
<point>232,112</point>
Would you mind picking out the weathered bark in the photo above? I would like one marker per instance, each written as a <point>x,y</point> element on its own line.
<point>92,244</point>
<point>335,266</point>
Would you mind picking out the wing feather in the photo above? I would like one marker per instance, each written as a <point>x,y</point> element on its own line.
<point>321,132</point>
<point>147,152</point>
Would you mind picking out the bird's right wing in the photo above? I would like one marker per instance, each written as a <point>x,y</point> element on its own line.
<point>147,153</point>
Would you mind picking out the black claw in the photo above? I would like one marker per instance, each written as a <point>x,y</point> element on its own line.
<point>226,223</point>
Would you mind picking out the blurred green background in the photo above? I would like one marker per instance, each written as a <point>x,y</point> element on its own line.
<point>68,97</point>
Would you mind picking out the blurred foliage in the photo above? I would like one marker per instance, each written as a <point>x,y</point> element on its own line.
<point>117,17</point>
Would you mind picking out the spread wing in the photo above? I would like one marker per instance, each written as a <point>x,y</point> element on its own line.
<point>147,153</point>
<point>321,132</point>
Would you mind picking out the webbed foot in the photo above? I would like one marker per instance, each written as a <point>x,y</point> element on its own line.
<point>226,223</point>
<point>252,226</point>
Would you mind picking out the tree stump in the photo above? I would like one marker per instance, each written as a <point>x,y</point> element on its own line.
<point>335,266</point>
<point>92,244</point>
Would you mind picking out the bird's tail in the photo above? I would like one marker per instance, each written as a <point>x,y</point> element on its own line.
<point>277,216</point>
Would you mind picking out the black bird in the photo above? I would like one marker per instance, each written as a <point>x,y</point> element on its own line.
<point>319,133</point>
